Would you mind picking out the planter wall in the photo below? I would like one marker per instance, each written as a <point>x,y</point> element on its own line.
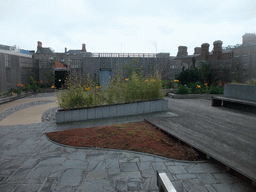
<point>190,96</point>
<point>240,91</point>
<point>108,111</point>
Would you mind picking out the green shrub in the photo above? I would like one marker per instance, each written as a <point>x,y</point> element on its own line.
<point>118,91</point>
<point>195,87</point>
<point>251,81</point>
<point>182,89</point>
<point>216,89</point>
<point>166,84</point>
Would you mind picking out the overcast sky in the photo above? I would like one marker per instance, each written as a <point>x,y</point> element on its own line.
<point>127,26</point>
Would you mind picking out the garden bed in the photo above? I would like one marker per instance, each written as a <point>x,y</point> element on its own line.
<point>138,136</point>
<point>115,110</point>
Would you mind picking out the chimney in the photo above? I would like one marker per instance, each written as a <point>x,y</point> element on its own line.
<point>65,49</point>
<point>205,51</point>
<point>197,50</point>
<point>39,45</point>
<point>83,48</point>
<point>217,49</point>
<point>249,38</point>
<point>182,51</point>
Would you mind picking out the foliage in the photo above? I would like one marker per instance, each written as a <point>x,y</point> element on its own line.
<point>216,89</point>
<point>192,75</point>
<point>51,78</point>
<point>132,67</point>
<point>88,94</point>
<point>182,89</point>
<point>166,84</point>
<point>251,81</point>
<point>195,87</point>
<point>33,84</point>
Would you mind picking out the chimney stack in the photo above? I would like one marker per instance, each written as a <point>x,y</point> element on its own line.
<point>39,45</point>
<point>65,49</point>
<point>205,51</point>
<point>83,48</point>
<point>249,38</point>
<point>217,49</point>
<point>197,50</point>
<point>182,51</point>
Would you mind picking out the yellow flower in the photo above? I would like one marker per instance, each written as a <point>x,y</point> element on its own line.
<point>86,89</point>
<point>205,84</point>
<point>198,86</point>
<point>126,79</point>
<point>52,87</point>
<point>176,80</point>
<point>97,87</point>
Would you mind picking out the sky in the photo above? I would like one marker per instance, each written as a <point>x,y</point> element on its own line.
<point>125,26</point>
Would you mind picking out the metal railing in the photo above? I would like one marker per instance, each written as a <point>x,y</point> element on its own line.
<point>143,55</point>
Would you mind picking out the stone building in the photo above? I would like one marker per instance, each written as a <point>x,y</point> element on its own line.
<point>232,63</point>
<point>98,66</point>
<point>227,63</point>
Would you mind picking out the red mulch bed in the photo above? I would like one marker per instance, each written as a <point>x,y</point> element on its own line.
<point>138,136</point>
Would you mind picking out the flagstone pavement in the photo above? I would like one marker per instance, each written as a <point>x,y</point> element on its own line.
<point>30,162</point>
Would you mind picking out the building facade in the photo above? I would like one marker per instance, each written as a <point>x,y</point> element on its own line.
<point>231,63</point>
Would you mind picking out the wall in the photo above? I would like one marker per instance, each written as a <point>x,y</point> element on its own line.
<point>15,68</point>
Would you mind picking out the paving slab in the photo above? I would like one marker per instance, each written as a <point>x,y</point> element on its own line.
<point>30,162</point>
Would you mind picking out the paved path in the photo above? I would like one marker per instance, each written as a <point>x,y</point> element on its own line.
<point>30,162</point>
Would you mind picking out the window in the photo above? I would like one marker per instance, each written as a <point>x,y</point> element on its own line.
<point>7,61</point>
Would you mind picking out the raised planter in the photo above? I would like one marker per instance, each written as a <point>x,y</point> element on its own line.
<point>190,96</point>
<point>240,91</point>
<point>107,111</point>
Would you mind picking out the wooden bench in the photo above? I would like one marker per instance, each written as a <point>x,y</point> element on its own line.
<point>239,104</point>
<point>164,184</point>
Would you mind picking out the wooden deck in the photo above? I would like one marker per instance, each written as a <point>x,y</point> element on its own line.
<point>226,135</point>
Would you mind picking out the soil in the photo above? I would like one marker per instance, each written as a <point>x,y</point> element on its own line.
<point>139,136</point>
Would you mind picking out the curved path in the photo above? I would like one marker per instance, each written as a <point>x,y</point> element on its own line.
<point>30,162</point>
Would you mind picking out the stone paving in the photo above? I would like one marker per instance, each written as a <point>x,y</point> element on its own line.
<point>30,162</point>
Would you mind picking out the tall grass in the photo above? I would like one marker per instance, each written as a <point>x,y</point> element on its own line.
<point>87,94</point>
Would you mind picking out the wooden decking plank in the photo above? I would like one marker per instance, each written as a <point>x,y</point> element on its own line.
<point>236,159</point>
<point>217,131</point>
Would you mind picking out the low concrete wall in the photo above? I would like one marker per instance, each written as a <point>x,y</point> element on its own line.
<point>190,96</point>
<point>116,110</point>
<point>240,91</point>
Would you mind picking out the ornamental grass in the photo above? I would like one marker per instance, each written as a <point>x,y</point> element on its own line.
<point>120,90</point>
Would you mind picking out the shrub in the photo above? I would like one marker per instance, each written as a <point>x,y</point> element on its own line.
<point>182,89</point>
<point>166,84</point>
<point>195,87</point>
<point>118,91</point>
<point>216,89</point>
<point>251,81</point>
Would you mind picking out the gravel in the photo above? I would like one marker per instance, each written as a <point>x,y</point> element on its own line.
<point>50,115</point>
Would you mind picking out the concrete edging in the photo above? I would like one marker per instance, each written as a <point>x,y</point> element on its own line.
<point>240,91</point>
<point>190,96</point>
<point>106,111</point>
